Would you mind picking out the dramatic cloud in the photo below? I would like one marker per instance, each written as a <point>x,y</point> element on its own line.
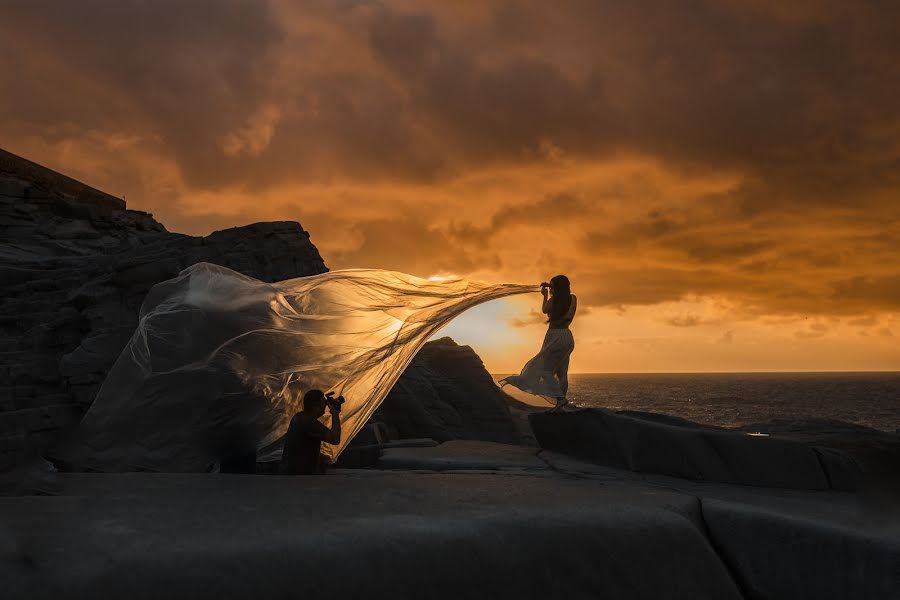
<point>738,151</point>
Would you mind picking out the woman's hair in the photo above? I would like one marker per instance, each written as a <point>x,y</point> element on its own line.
<point>562,297</point>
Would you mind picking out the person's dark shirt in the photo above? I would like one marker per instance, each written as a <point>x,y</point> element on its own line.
<point>302,445</point>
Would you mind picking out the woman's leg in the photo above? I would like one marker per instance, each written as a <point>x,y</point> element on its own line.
<point>548,372</point>
<point>562,377</point>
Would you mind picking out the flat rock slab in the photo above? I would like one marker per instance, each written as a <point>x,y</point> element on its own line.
<point>409,443</point>
<point>785,543</point>
<point>695,453</point>
<point>777,553</point>
<point>397,535</point>
<point>463,455</point>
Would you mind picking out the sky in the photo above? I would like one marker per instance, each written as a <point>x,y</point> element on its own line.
<point>720,179</point>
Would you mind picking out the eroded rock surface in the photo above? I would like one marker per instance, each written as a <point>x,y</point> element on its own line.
<point>75,265</point>
<point>463,455</point>
<point>361,535</point>
<point>854,457</point>
<point>447,394</point>
<point>486,520</point>
<point>778,553</point>
<point>696,453</point>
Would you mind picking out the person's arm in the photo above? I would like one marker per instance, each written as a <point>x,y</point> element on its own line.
<point>334,436</point>
<point>316,430</point>
<point>547,305</point>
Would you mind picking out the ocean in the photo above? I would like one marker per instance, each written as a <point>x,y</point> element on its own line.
<point>734,399</point>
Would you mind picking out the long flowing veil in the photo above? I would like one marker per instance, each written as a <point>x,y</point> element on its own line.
<point>211,367</point>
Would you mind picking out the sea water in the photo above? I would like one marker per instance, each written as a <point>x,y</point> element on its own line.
<point>734,399</point>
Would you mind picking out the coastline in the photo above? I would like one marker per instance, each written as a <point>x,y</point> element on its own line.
<point>738,400</point>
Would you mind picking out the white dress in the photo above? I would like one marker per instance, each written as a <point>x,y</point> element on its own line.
<point>547,374</point>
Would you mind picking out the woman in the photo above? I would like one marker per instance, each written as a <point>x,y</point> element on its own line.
<point>547,374</point>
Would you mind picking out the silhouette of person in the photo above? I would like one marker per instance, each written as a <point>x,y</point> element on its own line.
<point>547,373</point>
<point>559,305</point>
<point>303,442</point>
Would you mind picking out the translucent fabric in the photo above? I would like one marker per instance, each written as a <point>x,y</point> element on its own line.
<point>547,374</point>
<point>219,361</point>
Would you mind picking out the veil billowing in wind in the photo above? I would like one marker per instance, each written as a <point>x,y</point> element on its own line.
<point>208,369</point>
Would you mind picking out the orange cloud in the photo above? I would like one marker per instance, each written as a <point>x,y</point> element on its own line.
<point>742,152</point>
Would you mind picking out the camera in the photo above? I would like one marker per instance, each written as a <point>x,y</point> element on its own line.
<point>329,397</point>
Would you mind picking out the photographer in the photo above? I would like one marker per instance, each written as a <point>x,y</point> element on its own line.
<point>303,441</point>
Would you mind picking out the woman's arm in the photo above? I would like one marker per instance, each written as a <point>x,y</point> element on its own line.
<point>547,305</point>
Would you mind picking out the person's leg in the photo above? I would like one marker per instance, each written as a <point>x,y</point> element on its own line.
<point>562,374</point>
<point>548,374</point>
<point>553,357</point>
<point>562,378</point>
<point>550,383</point>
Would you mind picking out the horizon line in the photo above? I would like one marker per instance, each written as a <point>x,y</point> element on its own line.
<point>884,371</point>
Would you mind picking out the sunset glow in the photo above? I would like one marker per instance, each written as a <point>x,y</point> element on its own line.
<point>720,184</point>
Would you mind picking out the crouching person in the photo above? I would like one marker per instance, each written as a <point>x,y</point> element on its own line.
<point>302,444</point>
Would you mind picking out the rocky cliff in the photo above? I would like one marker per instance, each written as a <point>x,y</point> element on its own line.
<point>75,265</point>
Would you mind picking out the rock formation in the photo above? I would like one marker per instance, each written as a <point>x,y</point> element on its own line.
<point>75,265</point>
<point>648,443</point>
<point>447,394</point>
<point>697,453</point>
<point>487,520</point>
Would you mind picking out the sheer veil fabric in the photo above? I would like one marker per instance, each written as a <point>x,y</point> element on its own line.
<point>208,371</point>
<point>547,374</point>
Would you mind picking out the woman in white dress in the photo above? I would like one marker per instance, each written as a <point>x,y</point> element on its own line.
<point>547,374</point>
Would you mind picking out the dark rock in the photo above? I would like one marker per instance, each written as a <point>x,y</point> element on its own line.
<point>447,394</point>
<point>776,554</point>
<point>395,535</point>
<point>359,457</point>
<point>368,456</point>
<point>666,419</point>
<point>463,455</point>
<point>410,443</point>
<point>852,456</point>
<point>75,265</point>
<point>373,432</point>
<point>842,471</point>
<point>703,454</point>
